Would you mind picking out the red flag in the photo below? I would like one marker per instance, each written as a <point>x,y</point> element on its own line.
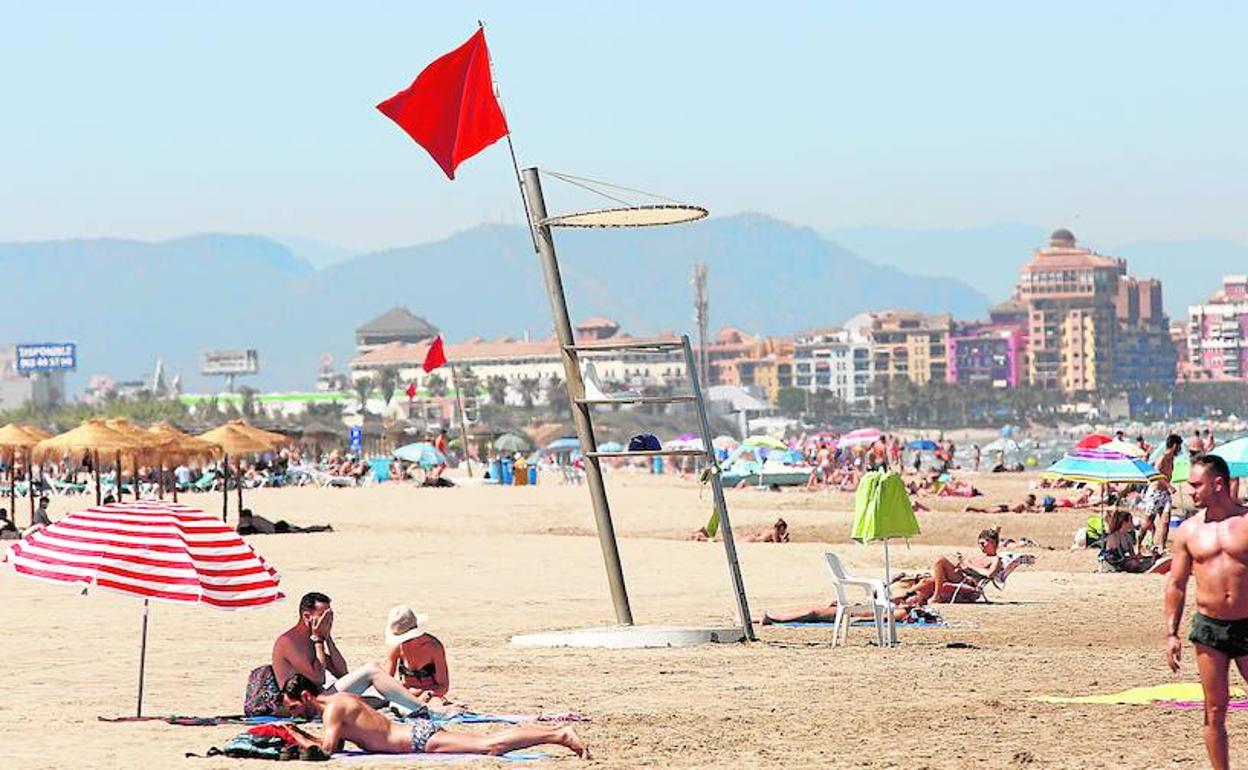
<point>411,391</point>
<point>450,108</point>
<point>436,356</point>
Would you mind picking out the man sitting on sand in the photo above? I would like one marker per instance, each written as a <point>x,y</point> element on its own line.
<point>308,648</point>
<point>347,717</point>
<point>8,530</point>
<point>250,524</point>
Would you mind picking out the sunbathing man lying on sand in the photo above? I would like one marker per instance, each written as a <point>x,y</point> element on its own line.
<point>250,524</point>
<point>308,648</point>
<point>1028,505</point>
<point>347,717</point>
<point>776,533</point>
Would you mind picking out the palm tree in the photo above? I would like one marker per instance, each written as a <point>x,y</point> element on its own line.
<point>248,396</point>
<point>436,385</point>
<point>556,395</point>
<point>388,381</point>
<point>363,385</point>
<point>529,387</point>
<point>496,386</point>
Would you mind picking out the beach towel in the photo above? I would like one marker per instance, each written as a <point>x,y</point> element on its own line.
<point>861,623</point>
<point>365,756</point>
<point>1235,705</point>
<point>1177,691</point>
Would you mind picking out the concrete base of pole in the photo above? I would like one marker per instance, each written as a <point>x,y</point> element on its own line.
<point>631,637</point>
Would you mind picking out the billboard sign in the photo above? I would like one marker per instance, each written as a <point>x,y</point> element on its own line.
<point>230,362</point>
<point>47,357</point>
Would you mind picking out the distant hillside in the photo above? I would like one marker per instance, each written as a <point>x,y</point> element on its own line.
<point>127,302</point>
<point>988,258</point>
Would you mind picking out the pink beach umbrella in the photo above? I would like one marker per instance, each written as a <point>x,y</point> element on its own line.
<point>860,437</point>
<point>152,550</point>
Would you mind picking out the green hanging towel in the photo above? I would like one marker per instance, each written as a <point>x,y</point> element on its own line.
<point>882,508</point>
<point>712,525</point>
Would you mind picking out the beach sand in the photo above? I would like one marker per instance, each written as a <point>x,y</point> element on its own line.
<point>488,562</point>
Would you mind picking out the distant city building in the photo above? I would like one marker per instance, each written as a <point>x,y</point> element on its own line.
<point>1217,333</point>
<point>398,324</point>
<point>520,360</point>
<point>1089,324</point>
<point>988,354</point>
<point>834,360</point>
<point>17,389</point>
<point>904,344</point>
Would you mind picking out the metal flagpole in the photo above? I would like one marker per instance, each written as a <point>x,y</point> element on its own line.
<point>532,187</point>
<point>463,424</point>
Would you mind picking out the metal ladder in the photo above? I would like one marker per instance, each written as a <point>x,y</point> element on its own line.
<point>592,455</point>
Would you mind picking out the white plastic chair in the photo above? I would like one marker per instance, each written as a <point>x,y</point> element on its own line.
<point>875,596</point>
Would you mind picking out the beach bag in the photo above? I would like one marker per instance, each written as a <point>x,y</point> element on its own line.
<point>644,442</point>
<point>263,693</point>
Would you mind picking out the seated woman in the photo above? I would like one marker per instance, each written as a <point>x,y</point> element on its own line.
<point>416,658</point>
<point>1120,548</point>
<point>946,572</point>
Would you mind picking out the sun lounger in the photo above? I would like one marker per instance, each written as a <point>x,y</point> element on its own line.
<point>974,590</point>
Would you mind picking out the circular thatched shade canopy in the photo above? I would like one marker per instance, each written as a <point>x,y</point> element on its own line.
<point>183,446</point>
<point>14,436</point>
<point>92,435</point>
<point>238,438</point>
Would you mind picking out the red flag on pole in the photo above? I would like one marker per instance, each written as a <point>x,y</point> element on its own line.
<point>411,391</point>
<point>436,356</point>
<point>450,108</point>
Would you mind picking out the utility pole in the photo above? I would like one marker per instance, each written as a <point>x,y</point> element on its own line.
<point>701,318</point>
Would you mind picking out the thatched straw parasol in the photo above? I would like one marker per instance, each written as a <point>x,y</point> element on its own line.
<point>92,436</point>
<point>12,438</point>
<point>180,447</point>
<point>236,438</point>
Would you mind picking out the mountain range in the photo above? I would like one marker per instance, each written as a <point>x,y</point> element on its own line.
<point>128,302</point>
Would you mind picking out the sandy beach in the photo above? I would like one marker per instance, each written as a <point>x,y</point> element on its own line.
<point>488,562</point>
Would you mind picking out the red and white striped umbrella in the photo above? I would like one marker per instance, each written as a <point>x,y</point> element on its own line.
<point>152,550</point>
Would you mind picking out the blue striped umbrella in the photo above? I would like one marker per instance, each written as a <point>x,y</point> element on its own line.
<point>1096,466</point>
<point>1236,455</point>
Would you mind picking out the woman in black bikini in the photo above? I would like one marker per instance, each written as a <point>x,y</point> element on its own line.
<point>416,658</point>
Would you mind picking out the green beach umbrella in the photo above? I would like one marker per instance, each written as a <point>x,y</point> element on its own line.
<point>882,510</point>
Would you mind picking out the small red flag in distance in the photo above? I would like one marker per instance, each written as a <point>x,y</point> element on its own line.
<point>411,391</point>
<point>436,356</point>
<point>450,108</point>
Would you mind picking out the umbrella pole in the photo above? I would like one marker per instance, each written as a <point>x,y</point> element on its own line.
<point>13,485</point>
<point>30,486</point>
<point>160,480</point>
<point>98,491</point>
<point>225,487</point>
<point>118,468</point>
<point>238,480</point>
<point>888,582</point>
<point>138,709</point>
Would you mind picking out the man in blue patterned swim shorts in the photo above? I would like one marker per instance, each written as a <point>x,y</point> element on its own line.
<point>347,717</point>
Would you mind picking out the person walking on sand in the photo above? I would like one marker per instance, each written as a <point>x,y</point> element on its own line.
<point>1212,546</point>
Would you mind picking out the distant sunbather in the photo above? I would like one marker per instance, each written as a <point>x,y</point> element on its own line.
<point>827,614</point>
<point>1028,505</point>
<point>958,488</point>
<point>8,530</point>
<point>250,524</point>
<point>776,533</point>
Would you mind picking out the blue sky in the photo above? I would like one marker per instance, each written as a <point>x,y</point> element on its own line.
<point>1123,120</point>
